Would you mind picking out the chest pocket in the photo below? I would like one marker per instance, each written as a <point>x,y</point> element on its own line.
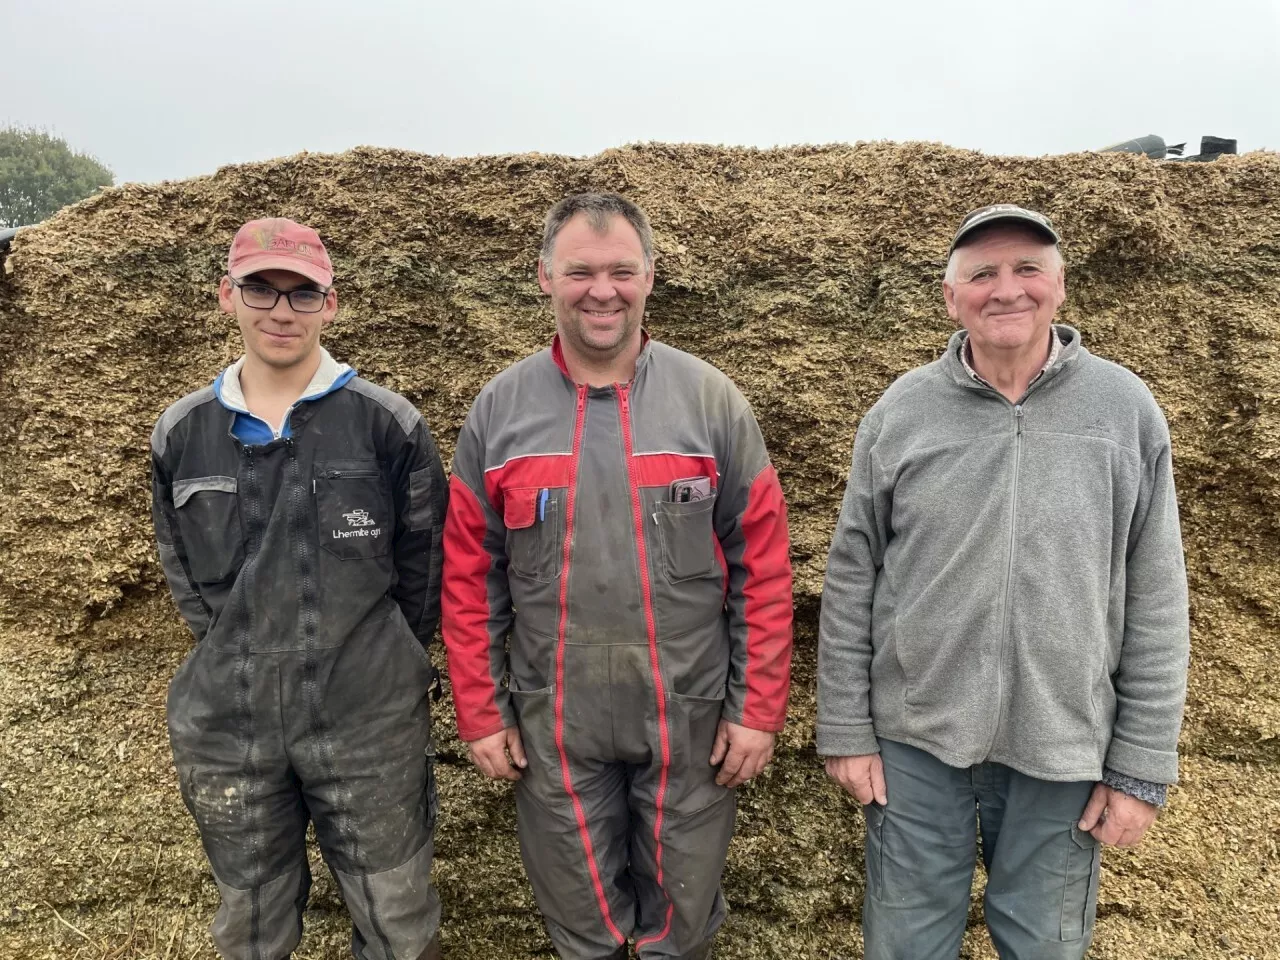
<point>688,538</point>
<point>209,522</point>
<point>535,532</point>
<point>353,509</point>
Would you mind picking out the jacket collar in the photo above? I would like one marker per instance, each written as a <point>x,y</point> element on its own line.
<point>329,376</point>
<point>1067,356</point>
<point>557,354</point>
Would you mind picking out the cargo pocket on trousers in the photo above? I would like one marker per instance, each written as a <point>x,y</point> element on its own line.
<point>873,852</point>
<point>353,509</point>
<point>694,722</point>
<point>688,538</point>
<point>433,797</point>
<point>533,532</point>
<point>535,718</point>
<point>208,512</point>
<point>1080,885</point>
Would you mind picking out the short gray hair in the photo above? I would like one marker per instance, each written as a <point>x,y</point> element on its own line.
<point>597,208</point>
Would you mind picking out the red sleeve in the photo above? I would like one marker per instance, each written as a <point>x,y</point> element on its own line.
<point>767,605</point>
<point>476,613</point>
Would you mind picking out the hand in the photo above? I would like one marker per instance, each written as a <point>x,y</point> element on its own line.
<point>862,776</point>
<point>744,752</point>
<point>1115,818</point>
<point>490,754</point>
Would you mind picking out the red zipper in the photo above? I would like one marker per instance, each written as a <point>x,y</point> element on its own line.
<point>580,814</point>
<point>660,692</point>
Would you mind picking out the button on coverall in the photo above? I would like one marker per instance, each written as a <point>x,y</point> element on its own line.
<point>635,623</point>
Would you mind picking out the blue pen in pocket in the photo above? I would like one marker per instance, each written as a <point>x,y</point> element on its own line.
<point>542,504</point>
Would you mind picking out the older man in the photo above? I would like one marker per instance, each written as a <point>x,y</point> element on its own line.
<point>616,520</point>
<point>1004,621</point>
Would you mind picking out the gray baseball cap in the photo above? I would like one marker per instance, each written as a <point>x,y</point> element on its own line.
<point>1002,213</point>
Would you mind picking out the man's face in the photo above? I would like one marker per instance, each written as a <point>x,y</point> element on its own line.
<point>1008,286</point>
<point>598,283</point>
<point>280,336</point>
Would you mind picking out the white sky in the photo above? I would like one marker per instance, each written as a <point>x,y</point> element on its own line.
<point>160,89</point>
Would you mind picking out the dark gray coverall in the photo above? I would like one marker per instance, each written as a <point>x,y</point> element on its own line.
<point>636,621</point>
<point>308,568</point>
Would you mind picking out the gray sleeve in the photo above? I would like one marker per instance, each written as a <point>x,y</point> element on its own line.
<point>1151,678</point>
<point>173,555</point>
<point>844,629</point>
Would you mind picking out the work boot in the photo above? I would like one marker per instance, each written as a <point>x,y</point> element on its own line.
<point>433,950</point>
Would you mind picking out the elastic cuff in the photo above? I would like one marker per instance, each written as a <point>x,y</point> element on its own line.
<point>479,733</point>
<point>757,723</point>
<point>1153,793</point>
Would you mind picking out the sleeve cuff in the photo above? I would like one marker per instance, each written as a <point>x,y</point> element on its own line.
<point>846,741</point>
<point>1142,763</point>
<point>1153,793</point>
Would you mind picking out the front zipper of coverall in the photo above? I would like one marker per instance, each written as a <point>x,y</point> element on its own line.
<point>1008,577</point>
<point>660,692</point>
<point>244,671</point>
<point>579,422</point>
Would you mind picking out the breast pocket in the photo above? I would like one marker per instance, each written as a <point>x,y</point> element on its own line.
<point>688,538</point>
<point>209,522</point>
<point>534,532</point>
<point>353,509</point>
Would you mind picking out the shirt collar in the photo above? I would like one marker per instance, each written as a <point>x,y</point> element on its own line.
<point>1055,350</point>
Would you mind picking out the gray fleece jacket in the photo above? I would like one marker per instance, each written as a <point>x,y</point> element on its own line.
<point>1006,581</point>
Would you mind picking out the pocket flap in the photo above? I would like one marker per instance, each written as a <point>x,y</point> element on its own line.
<point>520,508</point>
<point>184,490</point>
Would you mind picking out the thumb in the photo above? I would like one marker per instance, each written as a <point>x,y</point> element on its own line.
<point>878,789</point>
<point>515,747</point>
<point>1093,809</point>
<point>721,746</point>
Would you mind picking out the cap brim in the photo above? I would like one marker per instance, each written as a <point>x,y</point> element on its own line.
<point>275,261</point>
<point>1002,217</point>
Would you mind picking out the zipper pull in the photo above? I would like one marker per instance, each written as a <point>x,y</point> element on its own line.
<point>1017,414</point>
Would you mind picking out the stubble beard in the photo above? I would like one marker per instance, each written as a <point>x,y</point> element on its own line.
<point>590,346</point>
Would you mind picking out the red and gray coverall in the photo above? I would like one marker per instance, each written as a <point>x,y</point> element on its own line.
<point>635,623</point>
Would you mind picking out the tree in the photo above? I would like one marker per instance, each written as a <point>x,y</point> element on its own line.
<point>39,174</point>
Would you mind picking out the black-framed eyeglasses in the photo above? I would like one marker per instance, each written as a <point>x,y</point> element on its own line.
<point>260,296</point>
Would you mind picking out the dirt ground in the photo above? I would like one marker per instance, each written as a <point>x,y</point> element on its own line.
<point>811,276</point>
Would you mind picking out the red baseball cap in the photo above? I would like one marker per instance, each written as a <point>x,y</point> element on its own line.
<point>279,244</point>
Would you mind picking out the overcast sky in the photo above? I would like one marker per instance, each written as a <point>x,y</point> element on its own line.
<point>161,89</point>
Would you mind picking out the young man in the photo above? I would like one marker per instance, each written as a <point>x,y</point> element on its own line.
<point>615,517</point>
<point>299,513</point>
<point>1004,619</point>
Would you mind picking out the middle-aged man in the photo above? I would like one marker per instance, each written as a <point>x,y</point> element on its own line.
<point>1004,620</point>
<point>615,517</point>
<point>299,511</point>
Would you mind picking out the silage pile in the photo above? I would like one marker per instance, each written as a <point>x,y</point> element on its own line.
<point>811,276</point>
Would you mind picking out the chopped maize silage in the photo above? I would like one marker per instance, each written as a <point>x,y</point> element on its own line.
<point>811,276</point>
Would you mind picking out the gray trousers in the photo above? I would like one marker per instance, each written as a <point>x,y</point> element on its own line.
<point>633,851</point>
<point>1042,871</point>
<point>266,741</point>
